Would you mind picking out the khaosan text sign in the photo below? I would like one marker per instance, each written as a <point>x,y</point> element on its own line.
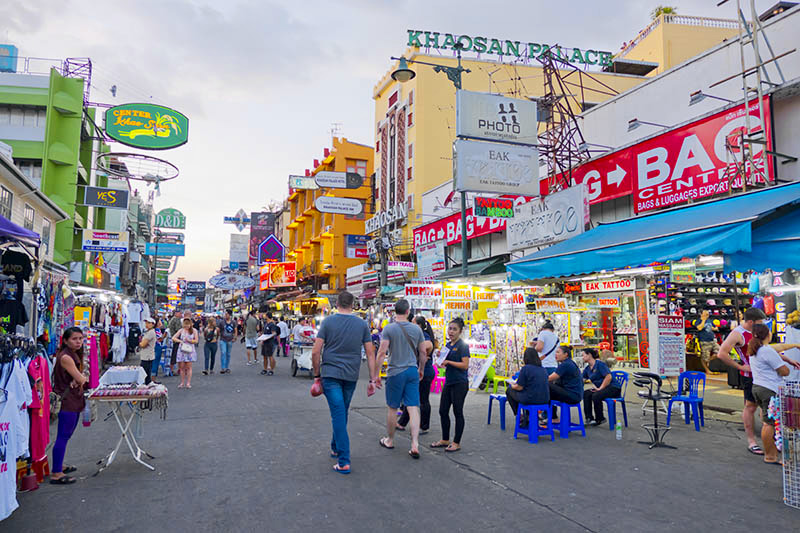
<point>549,220</point>
<point>481,166</point>
<point>493,207</point>
<point>148,126</point>
<point>496,118</point>
<point>104,197</point>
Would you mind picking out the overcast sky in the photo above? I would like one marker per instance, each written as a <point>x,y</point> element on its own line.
<point>262,82</point>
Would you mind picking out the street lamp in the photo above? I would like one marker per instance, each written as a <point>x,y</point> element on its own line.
<point>404,74</point>
<point>583,148</point>
<point>635,123</point>
<point>698,96</point>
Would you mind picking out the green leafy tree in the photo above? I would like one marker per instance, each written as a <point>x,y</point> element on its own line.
<point>663,10</point>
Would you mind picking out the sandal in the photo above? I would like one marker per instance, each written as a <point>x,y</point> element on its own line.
<point>64,480</point>
<point>383,443</point>
<point>440,444</point>
<point>341,469</point>
<point>755,449</point>
<point>69,469</point>
<point>399,428</point>
<point>452,450</point>
<point>779,463</point>
<point>413,454</point>
<point>334,454</point>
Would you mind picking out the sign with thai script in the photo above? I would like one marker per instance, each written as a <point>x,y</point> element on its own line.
<point>104,241</point>
<point>338,180</point>
<point>548,220</point>
<point>147,126</point>
<point>430,259</point>
<point>339,206</point>
<point>671,346</point>
<point>607,285</point>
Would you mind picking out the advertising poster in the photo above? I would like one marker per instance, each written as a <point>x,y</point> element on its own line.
<point>495,168</point>
<point>430,259</point>
<point>104,241</point>
<point>642,327</point>
<point>670,344</point>
<point>262,225</point>
<point>548,220</point>
<point>478,366</point>
<point>355,246</point>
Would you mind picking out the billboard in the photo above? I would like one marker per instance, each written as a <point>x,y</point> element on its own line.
<point>147,126</point>
<point>104,197</point>
<point>496,118</point>
<point>262,225</point>
<point>488,167</point>
<point>104,241</point>
<point>355,246</point>
<point>238,252</point>
<point>548,220</point>
<point>274,275</point>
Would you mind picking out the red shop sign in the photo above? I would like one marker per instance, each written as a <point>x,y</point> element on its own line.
<point>681,164</point>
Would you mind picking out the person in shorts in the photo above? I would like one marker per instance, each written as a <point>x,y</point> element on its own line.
<point>270,346</point>
<point>251,329</point>
<point>705,336</point>
<point>405,344</point>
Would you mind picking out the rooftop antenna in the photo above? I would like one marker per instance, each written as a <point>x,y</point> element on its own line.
<point>336,129</point>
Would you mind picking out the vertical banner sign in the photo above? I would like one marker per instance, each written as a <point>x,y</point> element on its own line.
<point>262,225</point>
<point>670,344</point>
<point>642,327</point>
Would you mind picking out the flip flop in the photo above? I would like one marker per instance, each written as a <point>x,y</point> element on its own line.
<point>340,469</point>
<point>66,480</point>
<point>454,450</point>
<point>438,444</point>
<point>69,469</point>
<point>774,463</point>
<point>413,454</point>
<point>755,449</point>
<point>334,454</point>
<point>383,443</point>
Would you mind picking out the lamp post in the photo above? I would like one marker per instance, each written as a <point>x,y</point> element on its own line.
<point>404,74</point>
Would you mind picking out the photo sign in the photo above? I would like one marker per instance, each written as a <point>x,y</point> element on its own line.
<point>104,197</point>
<point>493,117</point>
<point>548,220</point>
<point>488,167</point>
<point>170,218</point>
<point>147,126</point>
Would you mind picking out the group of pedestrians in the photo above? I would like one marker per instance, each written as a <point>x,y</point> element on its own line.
<point>273,334</point>
<point>408,347</point>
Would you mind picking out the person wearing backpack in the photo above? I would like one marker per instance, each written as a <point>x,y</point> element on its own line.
<point>211,336</point>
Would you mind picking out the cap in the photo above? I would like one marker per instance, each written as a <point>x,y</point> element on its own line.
<point>150,319</point>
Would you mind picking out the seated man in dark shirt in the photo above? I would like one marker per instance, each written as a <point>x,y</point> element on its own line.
<point>566,384</point>
<point>531,385</point>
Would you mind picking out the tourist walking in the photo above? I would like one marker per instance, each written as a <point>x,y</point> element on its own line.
<point>174,326</point>
<point>68,383</point>
<point>427,379</point>
<point>284,337</point>
<point>456,386</point>
<point>147,348</point>
<point>251,329</point>
<point>405,344</point>
<point>336,360</point>
<point>188,339</point>
<point>269,347</point>
<point>211,336</point>
<point>227,336</point>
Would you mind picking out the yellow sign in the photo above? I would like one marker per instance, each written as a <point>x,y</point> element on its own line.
<point>83,316</point>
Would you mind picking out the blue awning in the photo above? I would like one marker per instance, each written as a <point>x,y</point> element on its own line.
<point>742,227</point>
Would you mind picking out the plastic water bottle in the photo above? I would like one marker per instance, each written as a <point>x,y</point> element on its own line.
<point>618,430</point>
<point>87,415</point>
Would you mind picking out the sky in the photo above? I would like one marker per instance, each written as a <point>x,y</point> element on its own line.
<point>262,82</point>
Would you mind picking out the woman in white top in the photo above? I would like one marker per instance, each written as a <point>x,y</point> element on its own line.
<point>188,339</point>
<point>768,371</point>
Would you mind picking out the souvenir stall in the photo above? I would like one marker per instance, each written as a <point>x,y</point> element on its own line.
<point>55,303</point>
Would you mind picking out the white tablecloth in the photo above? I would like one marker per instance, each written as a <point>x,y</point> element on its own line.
<point>123,374</point>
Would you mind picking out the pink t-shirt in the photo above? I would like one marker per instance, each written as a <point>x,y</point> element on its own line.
<point>40,407</point>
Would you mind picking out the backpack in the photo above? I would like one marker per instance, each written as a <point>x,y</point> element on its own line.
<point>210,334</point>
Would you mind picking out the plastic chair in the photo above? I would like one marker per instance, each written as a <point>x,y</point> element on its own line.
<point>501,400</point>
<point>565,425</point>
<point>691,381</point>
<point>499,380</point>
<point>620,379</point>
<point>533,422</point>
<point>438,382</point>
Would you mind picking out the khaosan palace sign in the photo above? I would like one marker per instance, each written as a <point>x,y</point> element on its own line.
<point>514,49</point>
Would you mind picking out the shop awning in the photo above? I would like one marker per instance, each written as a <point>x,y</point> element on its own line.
<point>731,226</point>
<point>368,293</point>
<point>10,232</point>
<point>484,267</point>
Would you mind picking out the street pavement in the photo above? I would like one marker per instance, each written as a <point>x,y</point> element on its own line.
<point>245,452</point>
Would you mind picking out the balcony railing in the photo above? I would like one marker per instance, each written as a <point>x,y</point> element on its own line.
<point>683,20</point>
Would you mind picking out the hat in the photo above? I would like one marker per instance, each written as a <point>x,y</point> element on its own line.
<point>150,319</point>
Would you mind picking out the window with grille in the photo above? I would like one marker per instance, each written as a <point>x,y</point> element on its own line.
<point>27,221</point>
<point>6,198</point>
<point>46,235</point>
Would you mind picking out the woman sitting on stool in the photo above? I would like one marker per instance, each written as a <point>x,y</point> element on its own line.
<point>598,373</point>
<point>566,384</point>
<point>531,385</point>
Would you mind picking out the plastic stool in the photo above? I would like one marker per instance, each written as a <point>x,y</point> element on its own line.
<point>611,407</point>
<point>501,399</point>
<point>437,384</point>
<point>533,420</point>
<point>565,425</point>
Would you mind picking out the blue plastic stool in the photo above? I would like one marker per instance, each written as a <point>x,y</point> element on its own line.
<point>501,399</point>
<point>565,425</point>
<point>533,420</point>
<point>620,379</point>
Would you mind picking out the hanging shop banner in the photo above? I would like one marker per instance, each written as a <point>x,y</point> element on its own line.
<point>401,266</point>
<point>396,213</point>
<point>670,344</point>
<point>686,163</point>
<point>147,126</point>
<point>170,218</point>
<point>458,294</point>
<point>642,327</point>
<point>355,246</point>
<point>104,197</point>
<point>271,251</point>
<point>240,220</point>
<point>493,117</point>
<point>338,180</point>
<point>339,206</point>
<point>430,259</point>
<point>493,207</point>
<point>480,166</point>
<point>607,285</point>
<point>302,182</point>
<point>684,271</point>
<point>262,225</point>
<point>478,366</point>
<point>548,220</point>
<point>423,290</point>
<point>165,249</point>
<point>231,282</point>
<point>104,241</point>
<point>550,304</point>
<point>281,274</point>
<point>263,278</point>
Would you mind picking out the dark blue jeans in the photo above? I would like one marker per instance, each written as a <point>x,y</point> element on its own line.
<point>339,392</point>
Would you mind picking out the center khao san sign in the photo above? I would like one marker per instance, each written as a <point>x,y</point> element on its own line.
<point>170,218</point>
<point>147,126</point>
<point>513,50</point>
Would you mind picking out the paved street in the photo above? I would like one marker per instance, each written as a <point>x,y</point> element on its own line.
<point>245,452</point>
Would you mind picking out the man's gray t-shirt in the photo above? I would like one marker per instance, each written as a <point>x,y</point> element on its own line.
<point>344,336</point>
<point>401,355</point>
<point>251,327</point>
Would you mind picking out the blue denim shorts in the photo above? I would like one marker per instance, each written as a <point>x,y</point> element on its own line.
<point>403,388</point>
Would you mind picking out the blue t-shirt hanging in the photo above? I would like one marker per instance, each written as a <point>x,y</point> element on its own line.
<point>457,352</point>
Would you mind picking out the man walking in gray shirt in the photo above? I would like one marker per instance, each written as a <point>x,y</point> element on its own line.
<point>404,342</point>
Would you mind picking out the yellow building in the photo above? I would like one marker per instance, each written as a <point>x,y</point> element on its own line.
<point>416,120</point>
<point>325,245</point>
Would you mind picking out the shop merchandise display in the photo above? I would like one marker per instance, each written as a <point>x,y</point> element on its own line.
<point>790,441</point>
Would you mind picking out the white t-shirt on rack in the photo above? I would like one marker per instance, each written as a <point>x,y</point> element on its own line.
<point>9,447</point>
<point>135,310</point>
<point>20,386</point>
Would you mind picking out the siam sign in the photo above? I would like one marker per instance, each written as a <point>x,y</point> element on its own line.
<point>494,207</point>
<point>512,49</point>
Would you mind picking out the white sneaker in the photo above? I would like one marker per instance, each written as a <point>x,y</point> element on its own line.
<point>249,363</point>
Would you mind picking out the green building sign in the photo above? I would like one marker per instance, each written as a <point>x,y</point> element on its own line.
<point>170,218</point>
<point>511,49</point>
<point>147,126</point>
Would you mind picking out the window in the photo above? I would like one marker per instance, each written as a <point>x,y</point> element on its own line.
<point>27,221</point>
<point>6,197</point>
<point>392,181</point>
<point>46,235</point>
<point>359,166</point>
<point>32,169</point>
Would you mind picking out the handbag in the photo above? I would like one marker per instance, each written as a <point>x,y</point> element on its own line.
<point>185,346</point>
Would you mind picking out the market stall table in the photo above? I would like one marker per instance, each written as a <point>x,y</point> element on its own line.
<point>128,402</point>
